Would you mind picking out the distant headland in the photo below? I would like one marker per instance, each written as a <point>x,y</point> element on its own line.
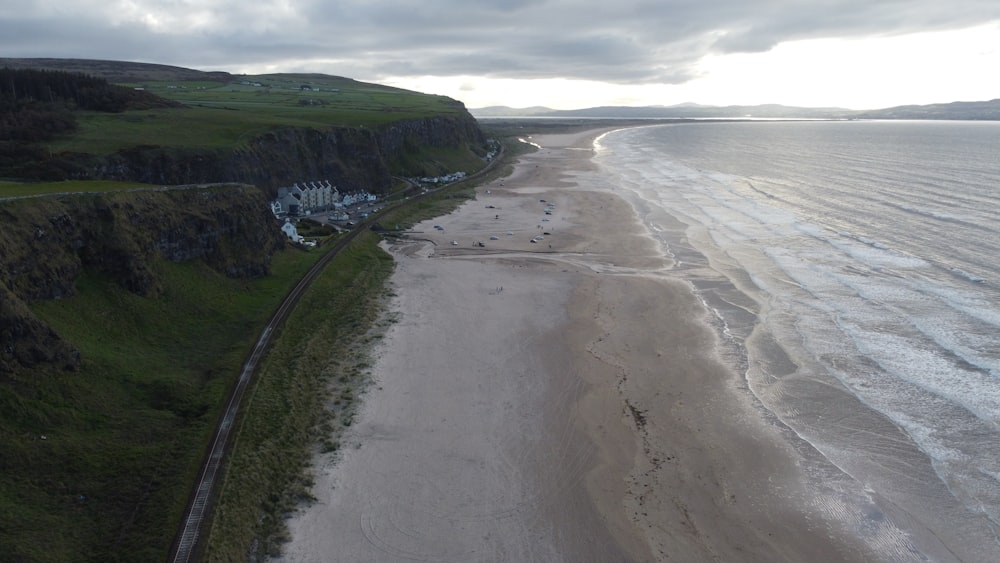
<point>979,111</point>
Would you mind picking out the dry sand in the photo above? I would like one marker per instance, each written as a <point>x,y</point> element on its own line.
<point>555,401</point>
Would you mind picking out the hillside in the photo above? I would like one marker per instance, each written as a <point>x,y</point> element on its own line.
<point>127,307</point>
<point>117,71</point>
<point>989,110</point>
<point>979,111</point>
<point>268,130</point>
<point>121,316</point>
<point>682,111</point>
<point>125,316</point>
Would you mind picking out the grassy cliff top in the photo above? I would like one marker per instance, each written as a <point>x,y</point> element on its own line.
<point>224,110</point>
<point>21,189</point>
<point>227,115</point>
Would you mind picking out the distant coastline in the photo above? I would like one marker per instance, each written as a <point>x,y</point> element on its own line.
<point>976,110</point>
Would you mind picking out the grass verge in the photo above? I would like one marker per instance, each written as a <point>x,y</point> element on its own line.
<point>307,388</point>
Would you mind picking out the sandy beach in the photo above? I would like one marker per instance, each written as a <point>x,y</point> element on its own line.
<point>556,400</point>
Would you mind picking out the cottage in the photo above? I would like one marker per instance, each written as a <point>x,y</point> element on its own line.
<point>289,229</point>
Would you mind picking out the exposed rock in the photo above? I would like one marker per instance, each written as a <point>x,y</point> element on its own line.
<point>46,243</point>
<point>353,158</point>
<point>26,341</point>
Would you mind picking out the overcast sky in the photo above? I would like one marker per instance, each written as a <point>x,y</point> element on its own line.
<point>860,54</point>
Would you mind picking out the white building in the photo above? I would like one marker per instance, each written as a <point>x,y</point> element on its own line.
<point>315,196</point>
<point>318,196</point>
<point>289,229</point>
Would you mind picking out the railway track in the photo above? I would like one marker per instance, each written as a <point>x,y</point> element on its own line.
<point>199,504</point>
<point>185,546</point>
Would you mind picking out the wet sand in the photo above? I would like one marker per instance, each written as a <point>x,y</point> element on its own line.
<point>558,400</point>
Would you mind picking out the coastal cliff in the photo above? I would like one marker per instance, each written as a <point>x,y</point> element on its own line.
<point>125,316</point>
<point>46,244</point>
<point>352,158</point>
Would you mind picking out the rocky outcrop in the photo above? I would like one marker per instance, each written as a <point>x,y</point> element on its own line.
<point>26,341</point>
<point>46,243</point>
<point>353,158</point>
<point>448,131</point>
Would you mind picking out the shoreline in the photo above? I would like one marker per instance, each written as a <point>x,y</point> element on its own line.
<point>556,400</point>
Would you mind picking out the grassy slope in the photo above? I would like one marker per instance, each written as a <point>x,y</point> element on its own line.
<point>19,189</point>
<point>227,115</point>
<point>125,434</point>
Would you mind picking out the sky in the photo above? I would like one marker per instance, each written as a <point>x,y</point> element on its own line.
<point>562,54</point>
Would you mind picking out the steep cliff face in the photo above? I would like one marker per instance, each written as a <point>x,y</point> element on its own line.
<point>46,243</point>
<point>451,131</point>
<point>353,158</point>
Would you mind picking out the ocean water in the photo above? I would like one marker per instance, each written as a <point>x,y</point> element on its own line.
<point>853,272</point>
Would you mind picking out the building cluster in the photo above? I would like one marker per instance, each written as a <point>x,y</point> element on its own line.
<point>312,197</point>
<point>447,178</point>
<point>494,149</point>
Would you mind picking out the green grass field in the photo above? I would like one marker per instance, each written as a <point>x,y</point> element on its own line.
<point>228,115</point>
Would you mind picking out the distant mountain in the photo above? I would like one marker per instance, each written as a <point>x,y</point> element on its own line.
<point>504,111</point>
<point>956,110</point>
<point>985,111</point>
<point>117,71</point>
<point>681,111</point>
<point>687,105</point>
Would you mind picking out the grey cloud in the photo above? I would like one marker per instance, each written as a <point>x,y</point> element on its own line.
<point>626,41</point>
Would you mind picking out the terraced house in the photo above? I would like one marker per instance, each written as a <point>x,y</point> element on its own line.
<point>314,196</point>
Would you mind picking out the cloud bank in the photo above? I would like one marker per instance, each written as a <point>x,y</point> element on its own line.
<point>621,42</point>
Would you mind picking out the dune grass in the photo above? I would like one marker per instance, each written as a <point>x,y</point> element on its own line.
<point>304,392</point>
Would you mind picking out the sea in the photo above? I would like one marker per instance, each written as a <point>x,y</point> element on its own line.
<point>852,270</point>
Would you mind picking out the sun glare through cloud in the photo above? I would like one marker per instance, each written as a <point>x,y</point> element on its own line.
<point>840,53</point>
<point>851,73</point>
